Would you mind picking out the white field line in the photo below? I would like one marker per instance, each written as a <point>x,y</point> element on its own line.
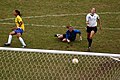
<point>57,26</point>
<point>60,52</point>
<point>34,25</point>
<point>61,15</point>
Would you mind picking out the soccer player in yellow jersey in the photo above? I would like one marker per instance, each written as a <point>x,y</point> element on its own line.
<point>18,30</point>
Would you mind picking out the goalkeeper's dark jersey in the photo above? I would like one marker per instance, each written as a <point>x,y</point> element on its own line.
<point>72,35</point>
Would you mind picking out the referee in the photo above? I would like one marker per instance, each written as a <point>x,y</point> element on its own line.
<point>92,19</point>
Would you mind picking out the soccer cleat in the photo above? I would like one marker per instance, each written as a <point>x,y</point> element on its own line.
<point>6,44</point>
<point>55,35</point>
<point>80,39</point>
<point>88,49</point>
<point>23,46</point>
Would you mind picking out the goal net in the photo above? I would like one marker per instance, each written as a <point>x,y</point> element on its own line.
<point>36,64</point>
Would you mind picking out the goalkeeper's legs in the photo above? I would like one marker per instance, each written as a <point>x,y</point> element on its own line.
<point>60,36</point>
<point>64,40</point>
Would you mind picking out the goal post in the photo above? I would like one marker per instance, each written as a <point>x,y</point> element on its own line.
<point>61,52</point>
<point>39,64</point>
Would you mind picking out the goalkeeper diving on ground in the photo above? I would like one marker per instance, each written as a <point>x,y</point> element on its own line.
<point>70,35</point>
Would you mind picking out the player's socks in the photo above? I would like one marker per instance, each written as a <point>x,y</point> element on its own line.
<point>90,42</point>
<point>9,39</point>
<point>22,41</point>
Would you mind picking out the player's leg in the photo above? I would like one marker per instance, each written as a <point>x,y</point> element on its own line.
<point>10,38</point>
<point>92,33</point>
<point>56,35</point>
<point>88,35</point>
<point>60,36</point>
<point>80,37</point>
<point>90,38</point>
<point>21,39</point>
<point>64,40</point>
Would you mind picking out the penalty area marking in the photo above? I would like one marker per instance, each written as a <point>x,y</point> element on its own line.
<point>57,26</point>
<point>61,15</point>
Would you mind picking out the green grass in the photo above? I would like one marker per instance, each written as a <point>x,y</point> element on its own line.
<point>40,37</point>
<point>23,65</point>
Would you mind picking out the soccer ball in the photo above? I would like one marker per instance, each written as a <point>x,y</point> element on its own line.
<point>75,60</point>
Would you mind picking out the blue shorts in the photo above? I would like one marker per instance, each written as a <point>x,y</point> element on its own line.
<point>18,30</point>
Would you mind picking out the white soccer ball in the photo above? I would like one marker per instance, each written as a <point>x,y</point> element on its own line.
<point>75,60</point>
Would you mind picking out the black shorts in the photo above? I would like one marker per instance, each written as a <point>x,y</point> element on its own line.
<point>64,36</point>
<point>89,29</point>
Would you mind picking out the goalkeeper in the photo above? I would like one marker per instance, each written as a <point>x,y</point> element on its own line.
<point>70,35</point>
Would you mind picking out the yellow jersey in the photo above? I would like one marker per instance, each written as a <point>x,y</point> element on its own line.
<point>18,19</point>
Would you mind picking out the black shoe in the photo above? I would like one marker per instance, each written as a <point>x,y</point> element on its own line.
<point>55,35</point>
<point>88,49</point>
<point>24,46</point>
<point>6,44</point>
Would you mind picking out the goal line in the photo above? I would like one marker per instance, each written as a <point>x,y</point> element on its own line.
<point>60,52</point>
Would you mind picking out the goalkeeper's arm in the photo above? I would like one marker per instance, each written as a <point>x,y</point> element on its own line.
<point>80,35</point>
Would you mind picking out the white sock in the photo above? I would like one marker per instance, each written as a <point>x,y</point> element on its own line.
<point>22,41</point>
<point>9,39</point>
<point>58,34</point>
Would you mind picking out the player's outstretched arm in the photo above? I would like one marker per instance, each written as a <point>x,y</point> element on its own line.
<point>80,36</point>
<point>99,22</point>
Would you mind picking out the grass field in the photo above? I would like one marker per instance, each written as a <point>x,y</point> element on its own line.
<point>42,20</point>
<point>42,33</point>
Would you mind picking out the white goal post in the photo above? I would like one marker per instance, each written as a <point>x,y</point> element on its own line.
<point>61,52</point>
<point>41,64</point>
